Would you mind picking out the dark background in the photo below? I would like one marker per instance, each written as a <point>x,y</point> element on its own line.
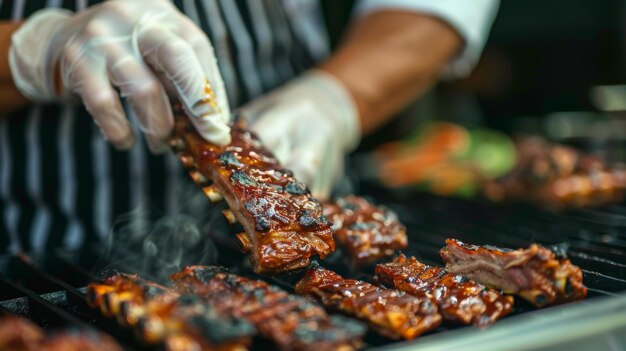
<point>543,56</point>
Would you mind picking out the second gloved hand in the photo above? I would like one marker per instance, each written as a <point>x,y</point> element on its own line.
<point>310,124</point>
<point>139,50</point>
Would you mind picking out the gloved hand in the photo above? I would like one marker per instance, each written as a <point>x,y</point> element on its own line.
<point>138,50</point>
<point>309,124</point>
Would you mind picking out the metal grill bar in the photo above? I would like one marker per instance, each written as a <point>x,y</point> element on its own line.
<point>40,310</point>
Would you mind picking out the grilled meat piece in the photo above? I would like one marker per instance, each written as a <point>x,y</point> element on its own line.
<point>537,274</point>
<point>120,293</point>
<point>558,177</point>
<point>459,298</point>
<point>80,341</point>
<point>290,322</point>
<point>284,226</point>
<point>19,334</point>
<point>365,232</point>
<point>159,314</point>
<point>391,313</point>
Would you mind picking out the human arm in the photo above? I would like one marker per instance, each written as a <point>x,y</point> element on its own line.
<point>11,98</point>
<point>391,55</point>
<point>389,58</point>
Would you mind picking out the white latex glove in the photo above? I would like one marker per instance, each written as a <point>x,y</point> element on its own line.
<point>135,49</point>
<point>310,124</point>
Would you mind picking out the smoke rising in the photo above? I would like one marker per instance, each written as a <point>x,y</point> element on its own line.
<point>154,245</point>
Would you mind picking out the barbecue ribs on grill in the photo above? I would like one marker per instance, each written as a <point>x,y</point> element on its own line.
<point>363,231</point>
<point>159,314</point>
<point>79,341</point>
<point>392,313</point>
<point>537,274</point>
<point>19,334</point>
<point>459,298</point>
<point>290,322</point>
<point>558,176</point>
<point>284,226</point>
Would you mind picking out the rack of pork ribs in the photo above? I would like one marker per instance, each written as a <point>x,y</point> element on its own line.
<point>363,231</point>
<point>459,298</point>
<point>390,312</point>
<point>159,315</point>
<point>539,275</point>
<point>19,334</point>
<point>284,225</point>
<point>291,322</point>
<point>210,308</point>
<point>558,176</point>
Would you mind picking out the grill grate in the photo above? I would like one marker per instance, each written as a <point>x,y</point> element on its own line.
<point>50,289</point>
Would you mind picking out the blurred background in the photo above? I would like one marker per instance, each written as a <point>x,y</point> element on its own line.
<point>543,57</point>
<point>553,69</point>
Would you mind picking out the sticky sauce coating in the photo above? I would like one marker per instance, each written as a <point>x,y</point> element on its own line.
<point>160,315</point>
<point>364,231</point>
<point>390,312</point>
<point>460,299</point>
<point>284,226</point>
<point>291,322</point>
<point>541,276</point>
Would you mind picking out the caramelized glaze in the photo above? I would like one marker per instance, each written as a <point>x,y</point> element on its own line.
<point>392,313</point>
<point>539,275</point>
<point>161,315</point>
<point>459,298</point>
<point>290,322</point>
<point>365,232</point>
<point>284,225</point>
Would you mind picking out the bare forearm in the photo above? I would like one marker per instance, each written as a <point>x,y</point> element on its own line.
<point>10,98</point>
<point>390,58</point>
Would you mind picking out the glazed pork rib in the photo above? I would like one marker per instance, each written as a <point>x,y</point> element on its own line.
<point>19,334</point>
<point>539,275</point>
<point>160,315</point>
<point>290,322</point>
<point>365,232</point>
<point>284,226</point>
<point>558,177</point>
<point>459,298</point>
<point>79,341</point>
<point>391,313</point>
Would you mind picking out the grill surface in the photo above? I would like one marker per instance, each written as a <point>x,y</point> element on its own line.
<point>50,289</point>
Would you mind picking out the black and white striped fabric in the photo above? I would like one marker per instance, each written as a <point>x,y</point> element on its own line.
<point>62,185</point>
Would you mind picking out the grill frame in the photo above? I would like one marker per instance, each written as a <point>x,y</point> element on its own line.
<point>595,324</point>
